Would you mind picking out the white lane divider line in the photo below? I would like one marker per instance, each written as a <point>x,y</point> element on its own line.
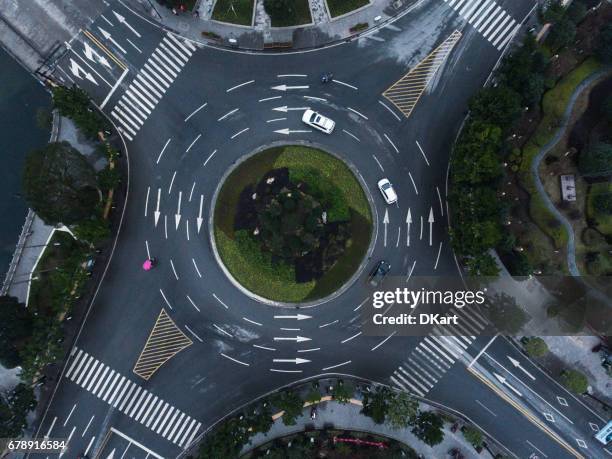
<point>194,334</point>
<point>345,84</point>
<point>193,143</point>
<point>165,299</point>
<point>391,142</point>
<point>196,267</point>
<point>196,111</point>
<point>252,321</point>
<point>231,112</point>
<point>264,347</point>
<point>336,366</point>
<point>389,110</point>
<point>352,135</point>
<point>192,303</point>
<point>378,162</point>
<point>357,113</point>
<point>219,300</point>
<point>352,337</point>
<point>422,152</point>
<point>239,132</point>
<point>413,184</point>
<point>163,149</point>
<point>235,360</point>
<point>239,86</point>
<point>174,269</point>
<point>209,158</point>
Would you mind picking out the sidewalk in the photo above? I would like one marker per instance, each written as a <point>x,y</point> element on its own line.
<point>323,30</point>
<point>349,417</point>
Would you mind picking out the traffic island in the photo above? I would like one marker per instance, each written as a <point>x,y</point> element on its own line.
<point>292,224</point>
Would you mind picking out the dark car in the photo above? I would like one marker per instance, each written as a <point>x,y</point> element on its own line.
<point>379,272</point>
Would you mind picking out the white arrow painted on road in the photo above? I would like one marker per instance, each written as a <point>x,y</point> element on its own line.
<point>297,361</point>
<point>157,213</point>
<point>177,216</point>
<point>284,87</point>
<point>111,455</point>
<point>76,70</point>
<point>122,20</point>
<point>286,109</point>
<point>108,37</point>
<point>408,223</point>
<point>297,316</point>
<point>297,339</point>
<point>386,223</point>
<point>517,364</point>
<point>288,131</point>
<point>505,383</point>
<point>94,56</point>
<point>200,219</point>
<point>430,219</point>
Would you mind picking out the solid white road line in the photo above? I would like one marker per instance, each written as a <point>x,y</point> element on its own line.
<point>193,143</point>
<point>165,299</point>
<point>438,257</point>
<point>51,427</point>
<point>383,341</point>
<point>192,303</point>
<point>252,321</point>
<point>352,337</point>
<point>147,201</point>
<point>264,347</point>
<point>239,132</point>
<point>413,184</point>
<point>422,152</point>
<point>344,84</point>
<point>392,144</point>
<point>231,112</point>
<point>209,158</point>
<point>352,135</point>
<point>269,98</point>
<point>222,303</point>
<point>196,267</point>
<point>171,182</point>
<point>378,162</point>
<point>357,113</point>
<point>173,269</point>
<point>389,110</point>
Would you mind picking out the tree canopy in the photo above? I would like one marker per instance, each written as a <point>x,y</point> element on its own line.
<point>428,427</point>
<point>403,411</point>
<point>59,184</point>
<point>596,160</point>
<point>604,45</point>
<point>74,103</point>
<point>16,323</point>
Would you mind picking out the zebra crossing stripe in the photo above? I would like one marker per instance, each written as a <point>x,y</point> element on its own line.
<point>133,400</point>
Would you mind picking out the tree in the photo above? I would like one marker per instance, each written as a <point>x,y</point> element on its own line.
<point>604,45</point>
<point>552,11</point>
<point>482,265</point>
<point>428,427</point>
<point>562,34</point>
<point>596,161</point>
<point>16,322</point>
<point>403,411</point>
<point>576,12</point>
<point>313,396</point>
<point>74,103</point>
<point>261,421</point>
<point>473,435</point>
<point>505,314</point>
<point>343,392</point>
<point>93,230</point>
<point>376,404</point>
<point>59,184</point>
<point>574,381</point>
<point>292,405</point>
<point>606,108</point>
<point>14,408</point>
<point>602,203</point>
<point>535,346</point>
<point>226,441</point>
<point>498,105</point>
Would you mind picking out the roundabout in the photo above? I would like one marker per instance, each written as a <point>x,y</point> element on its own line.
<point>289,262</point>
<point>189,115</point>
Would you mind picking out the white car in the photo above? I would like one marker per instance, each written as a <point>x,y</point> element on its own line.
<point>386,189</point>
<point>318,121</point>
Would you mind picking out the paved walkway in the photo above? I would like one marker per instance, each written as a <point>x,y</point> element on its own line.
<point>571,244</point>
<point>349,417</point>
<point>322,31</point>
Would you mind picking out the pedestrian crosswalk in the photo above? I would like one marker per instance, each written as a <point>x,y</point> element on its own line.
<point>488,18</point>
<point>437,353</point>
<point>151,83</point>
<point>131,399</point>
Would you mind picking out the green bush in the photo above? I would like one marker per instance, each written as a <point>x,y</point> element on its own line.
<point>575,381</point>
<point>428,427</point>
<point>472,435</point>
<point>535,347</point>
<point>292,405</point>
<point>596,161</point>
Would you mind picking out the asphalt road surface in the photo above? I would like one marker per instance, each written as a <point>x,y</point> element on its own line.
<point>188,113</point>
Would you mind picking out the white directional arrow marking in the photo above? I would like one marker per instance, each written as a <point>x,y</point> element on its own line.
<point>430,219</point>
<point>286,109</point>
<point>108,37</point>
<point>157,213</point>
<point>297,339</point>
<point>517,364</point>
<point>386,223</point>
<point>122,20</point>
<point>505,383</point>
<point>76,70</point>
<point>284,87</point>
<point>94,56</point>
<point>297,316</point>
<point>297,361</point>
<point>408,223</point>
<point>177,216</point>
<point>200,219</point>
<point>288,131</point>
<point>111,455</point>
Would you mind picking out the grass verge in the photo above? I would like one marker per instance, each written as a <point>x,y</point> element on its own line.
<point>254,269</point>
<point>234,11</point>
<point>301,15</point>
<point>602,221</point>
<point>340,7</point>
